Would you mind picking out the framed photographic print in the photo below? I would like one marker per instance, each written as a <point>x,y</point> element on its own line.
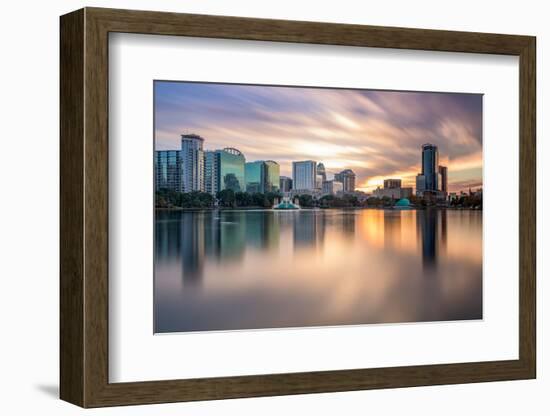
<point>256,207</point>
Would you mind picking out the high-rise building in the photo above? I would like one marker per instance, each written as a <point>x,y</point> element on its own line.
<point>420,184</point>
<point>285,184</point>
<point>347,178</point>
<point>443,172</point>
<point>168,170</point>
<point>332,187</point>
<point>430,166</point>
<point>272,176</point>
<point>224,169</point>
<point>304,175</point>
<point>321,171</point>
<point>319,182</point>
<point>192,163</point>
<point>392,183</point>
<point>231,169</point>
<point>255,174</point>
<point>211,171</point>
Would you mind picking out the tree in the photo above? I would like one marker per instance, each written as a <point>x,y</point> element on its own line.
<point>243,199</point>
<point>226,197</point>
<point>306,201</point>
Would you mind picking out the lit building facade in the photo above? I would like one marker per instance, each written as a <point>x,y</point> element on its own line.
<point>304,175</point>
<point>168,170</point>
<point>192,163</point>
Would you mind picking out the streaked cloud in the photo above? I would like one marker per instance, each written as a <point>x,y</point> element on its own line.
<point>378,134</point>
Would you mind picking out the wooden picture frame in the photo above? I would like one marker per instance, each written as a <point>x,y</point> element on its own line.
<point>84,207</point>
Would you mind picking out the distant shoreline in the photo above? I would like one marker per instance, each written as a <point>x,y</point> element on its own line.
<point>315,208</point>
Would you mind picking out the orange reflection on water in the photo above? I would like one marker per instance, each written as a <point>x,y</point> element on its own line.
<point>264,269</point>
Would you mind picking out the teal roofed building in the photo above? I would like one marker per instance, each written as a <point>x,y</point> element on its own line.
<point>403,203</point>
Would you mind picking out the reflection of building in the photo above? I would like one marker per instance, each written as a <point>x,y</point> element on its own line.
<point>432,225</point>
<point>332,187</point>
<point>304,175</point>
<point>305,229</point>
<point>224,169</point>
<point>192,163</point>
<point>432,181</point>
<point>272,176</point>
<point>392,189</point>
<point>285,184</point>
<point>255,176</point>
<point>168,170</point>
<point>427,222</point>
<point>262,230</point>
<point>347,178</point>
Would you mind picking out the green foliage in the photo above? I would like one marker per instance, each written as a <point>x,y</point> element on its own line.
<point>306,201</point>
<point>166,198</point>
<point>345,201</point>
<point>468,201</point>
<point>226,198</point>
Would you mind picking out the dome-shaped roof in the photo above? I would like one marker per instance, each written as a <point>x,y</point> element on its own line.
<point>403,202</point>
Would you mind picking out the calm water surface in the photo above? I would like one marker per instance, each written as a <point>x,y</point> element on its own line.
<point>224,270</point>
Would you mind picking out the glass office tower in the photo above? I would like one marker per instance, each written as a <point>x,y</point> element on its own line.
<point>168,170</point>
<point>255,174</point>
<point>272,176</point>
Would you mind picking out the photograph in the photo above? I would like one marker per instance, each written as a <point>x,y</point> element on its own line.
<point>288,206</point>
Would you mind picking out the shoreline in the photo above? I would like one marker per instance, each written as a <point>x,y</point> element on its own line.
<point>315,209</point>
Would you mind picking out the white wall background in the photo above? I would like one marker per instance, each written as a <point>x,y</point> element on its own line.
<point>29,79</point>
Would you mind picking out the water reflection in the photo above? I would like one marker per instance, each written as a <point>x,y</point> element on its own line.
<point>221,270</point>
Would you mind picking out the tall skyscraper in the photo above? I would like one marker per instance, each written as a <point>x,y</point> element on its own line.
<point>272,176</point>
<point>304,175</point>
<point>224,169</point>
<point>321,171</point>
<point>192,163</point>
<point>430,164</point>
<point>211,172</point>
<point>231,169</point>
<point>168,170</point>
<point>255,176</point>
<point>444,178</point>
<point>347,178</point>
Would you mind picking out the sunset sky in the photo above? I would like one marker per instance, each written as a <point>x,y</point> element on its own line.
<point>377,134</point>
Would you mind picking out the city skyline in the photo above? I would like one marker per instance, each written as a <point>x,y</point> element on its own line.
<point>376,134</point>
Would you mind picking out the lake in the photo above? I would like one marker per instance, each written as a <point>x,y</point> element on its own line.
<point>252,269</point>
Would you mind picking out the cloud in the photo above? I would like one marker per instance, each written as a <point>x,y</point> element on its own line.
<point>378,134</point>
